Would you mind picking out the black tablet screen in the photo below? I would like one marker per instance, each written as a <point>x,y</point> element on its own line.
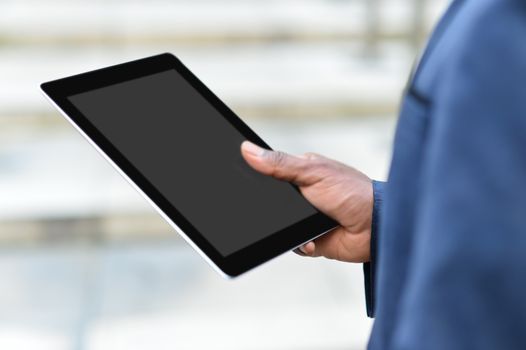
<point>191,154</point>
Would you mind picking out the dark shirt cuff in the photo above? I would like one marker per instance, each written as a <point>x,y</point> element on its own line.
<point>369,268</point>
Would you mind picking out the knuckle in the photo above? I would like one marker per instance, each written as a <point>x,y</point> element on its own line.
<point>311,156</point>
<point>278,159</point>
<point>316,162</point>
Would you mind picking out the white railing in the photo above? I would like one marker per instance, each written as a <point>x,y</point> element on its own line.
<point>339,56</point>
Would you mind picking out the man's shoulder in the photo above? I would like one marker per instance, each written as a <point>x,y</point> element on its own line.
<point>485,25</point>
<point>487,40</point>
<point>477,32</point>
<point>481,81</point>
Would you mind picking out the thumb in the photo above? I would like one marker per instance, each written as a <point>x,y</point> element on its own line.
<point>277,164</point>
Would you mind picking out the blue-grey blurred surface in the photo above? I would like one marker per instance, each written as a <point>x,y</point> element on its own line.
<point>87,264</point>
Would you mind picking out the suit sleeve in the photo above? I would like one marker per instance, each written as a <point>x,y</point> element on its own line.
<point>369,268</point>
<point>467,281</point>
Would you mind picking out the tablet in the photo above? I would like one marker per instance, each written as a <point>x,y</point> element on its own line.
<point>179,145</point>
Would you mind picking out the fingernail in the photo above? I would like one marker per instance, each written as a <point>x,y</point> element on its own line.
<point>302,248</point>
<point>253,149</point>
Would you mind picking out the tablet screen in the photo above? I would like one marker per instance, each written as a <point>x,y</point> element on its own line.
<point>191,154</point>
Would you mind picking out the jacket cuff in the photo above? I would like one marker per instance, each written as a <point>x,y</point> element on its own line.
<point>369,268</point>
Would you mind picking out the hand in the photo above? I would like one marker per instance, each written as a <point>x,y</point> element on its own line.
<point>339,191</point>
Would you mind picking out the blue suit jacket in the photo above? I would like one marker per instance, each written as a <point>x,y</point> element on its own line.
<point>448,267</point>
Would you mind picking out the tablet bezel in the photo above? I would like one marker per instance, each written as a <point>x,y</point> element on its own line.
<point>59,91</point>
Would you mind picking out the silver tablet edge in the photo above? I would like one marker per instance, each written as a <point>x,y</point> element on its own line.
<point>138,189</point>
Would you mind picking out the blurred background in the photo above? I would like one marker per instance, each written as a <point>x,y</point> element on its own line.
<point>85,263</point>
